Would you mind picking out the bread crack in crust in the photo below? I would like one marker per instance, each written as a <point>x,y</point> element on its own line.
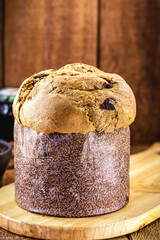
<point>77,98</point>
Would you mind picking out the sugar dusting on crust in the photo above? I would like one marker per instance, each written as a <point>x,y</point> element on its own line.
<point>71,175</point>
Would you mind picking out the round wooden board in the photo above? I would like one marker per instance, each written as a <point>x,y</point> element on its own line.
<point>143,208</point>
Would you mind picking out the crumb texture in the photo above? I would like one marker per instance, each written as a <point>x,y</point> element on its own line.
<point>71,175</point>
<point>77,98</point>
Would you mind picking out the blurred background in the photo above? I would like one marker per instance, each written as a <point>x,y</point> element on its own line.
<point>117,36</point>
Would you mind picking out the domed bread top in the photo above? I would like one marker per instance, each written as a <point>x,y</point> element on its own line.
<point>76,98</point>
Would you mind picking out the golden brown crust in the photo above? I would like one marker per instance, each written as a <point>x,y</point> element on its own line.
<point>76,98</point>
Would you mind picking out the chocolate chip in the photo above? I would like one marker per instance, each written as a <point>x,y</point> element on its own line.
<point>107,105</point>
<point>35,82</point>
<point>54,88</point>
<point>107,85</point>
<point>42,75</point>
<point>127,198</point>
<point>89,70</point>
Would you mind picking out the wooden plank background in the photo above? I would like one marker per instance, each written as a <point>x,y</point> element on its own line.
<point>42,34</point>
<point>117,36</point>
<point>130,46</point>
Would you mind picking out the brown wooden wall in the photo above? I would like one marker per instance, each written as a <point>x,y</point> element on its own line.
<point>119,36</point>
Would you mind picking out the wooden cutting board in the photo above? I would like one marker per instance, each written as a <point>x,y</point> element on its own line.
<point>143,208</point>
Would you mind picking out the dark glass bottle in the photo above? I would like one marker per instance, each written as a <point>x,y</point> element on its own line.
<point>7,96</point>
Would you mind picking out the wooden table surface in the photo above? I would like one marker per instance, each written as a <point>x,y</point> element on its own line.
<point>150,232</point>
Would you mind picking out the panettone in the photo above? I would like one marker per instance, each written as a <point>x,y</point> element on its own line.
<point>72,141</point>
